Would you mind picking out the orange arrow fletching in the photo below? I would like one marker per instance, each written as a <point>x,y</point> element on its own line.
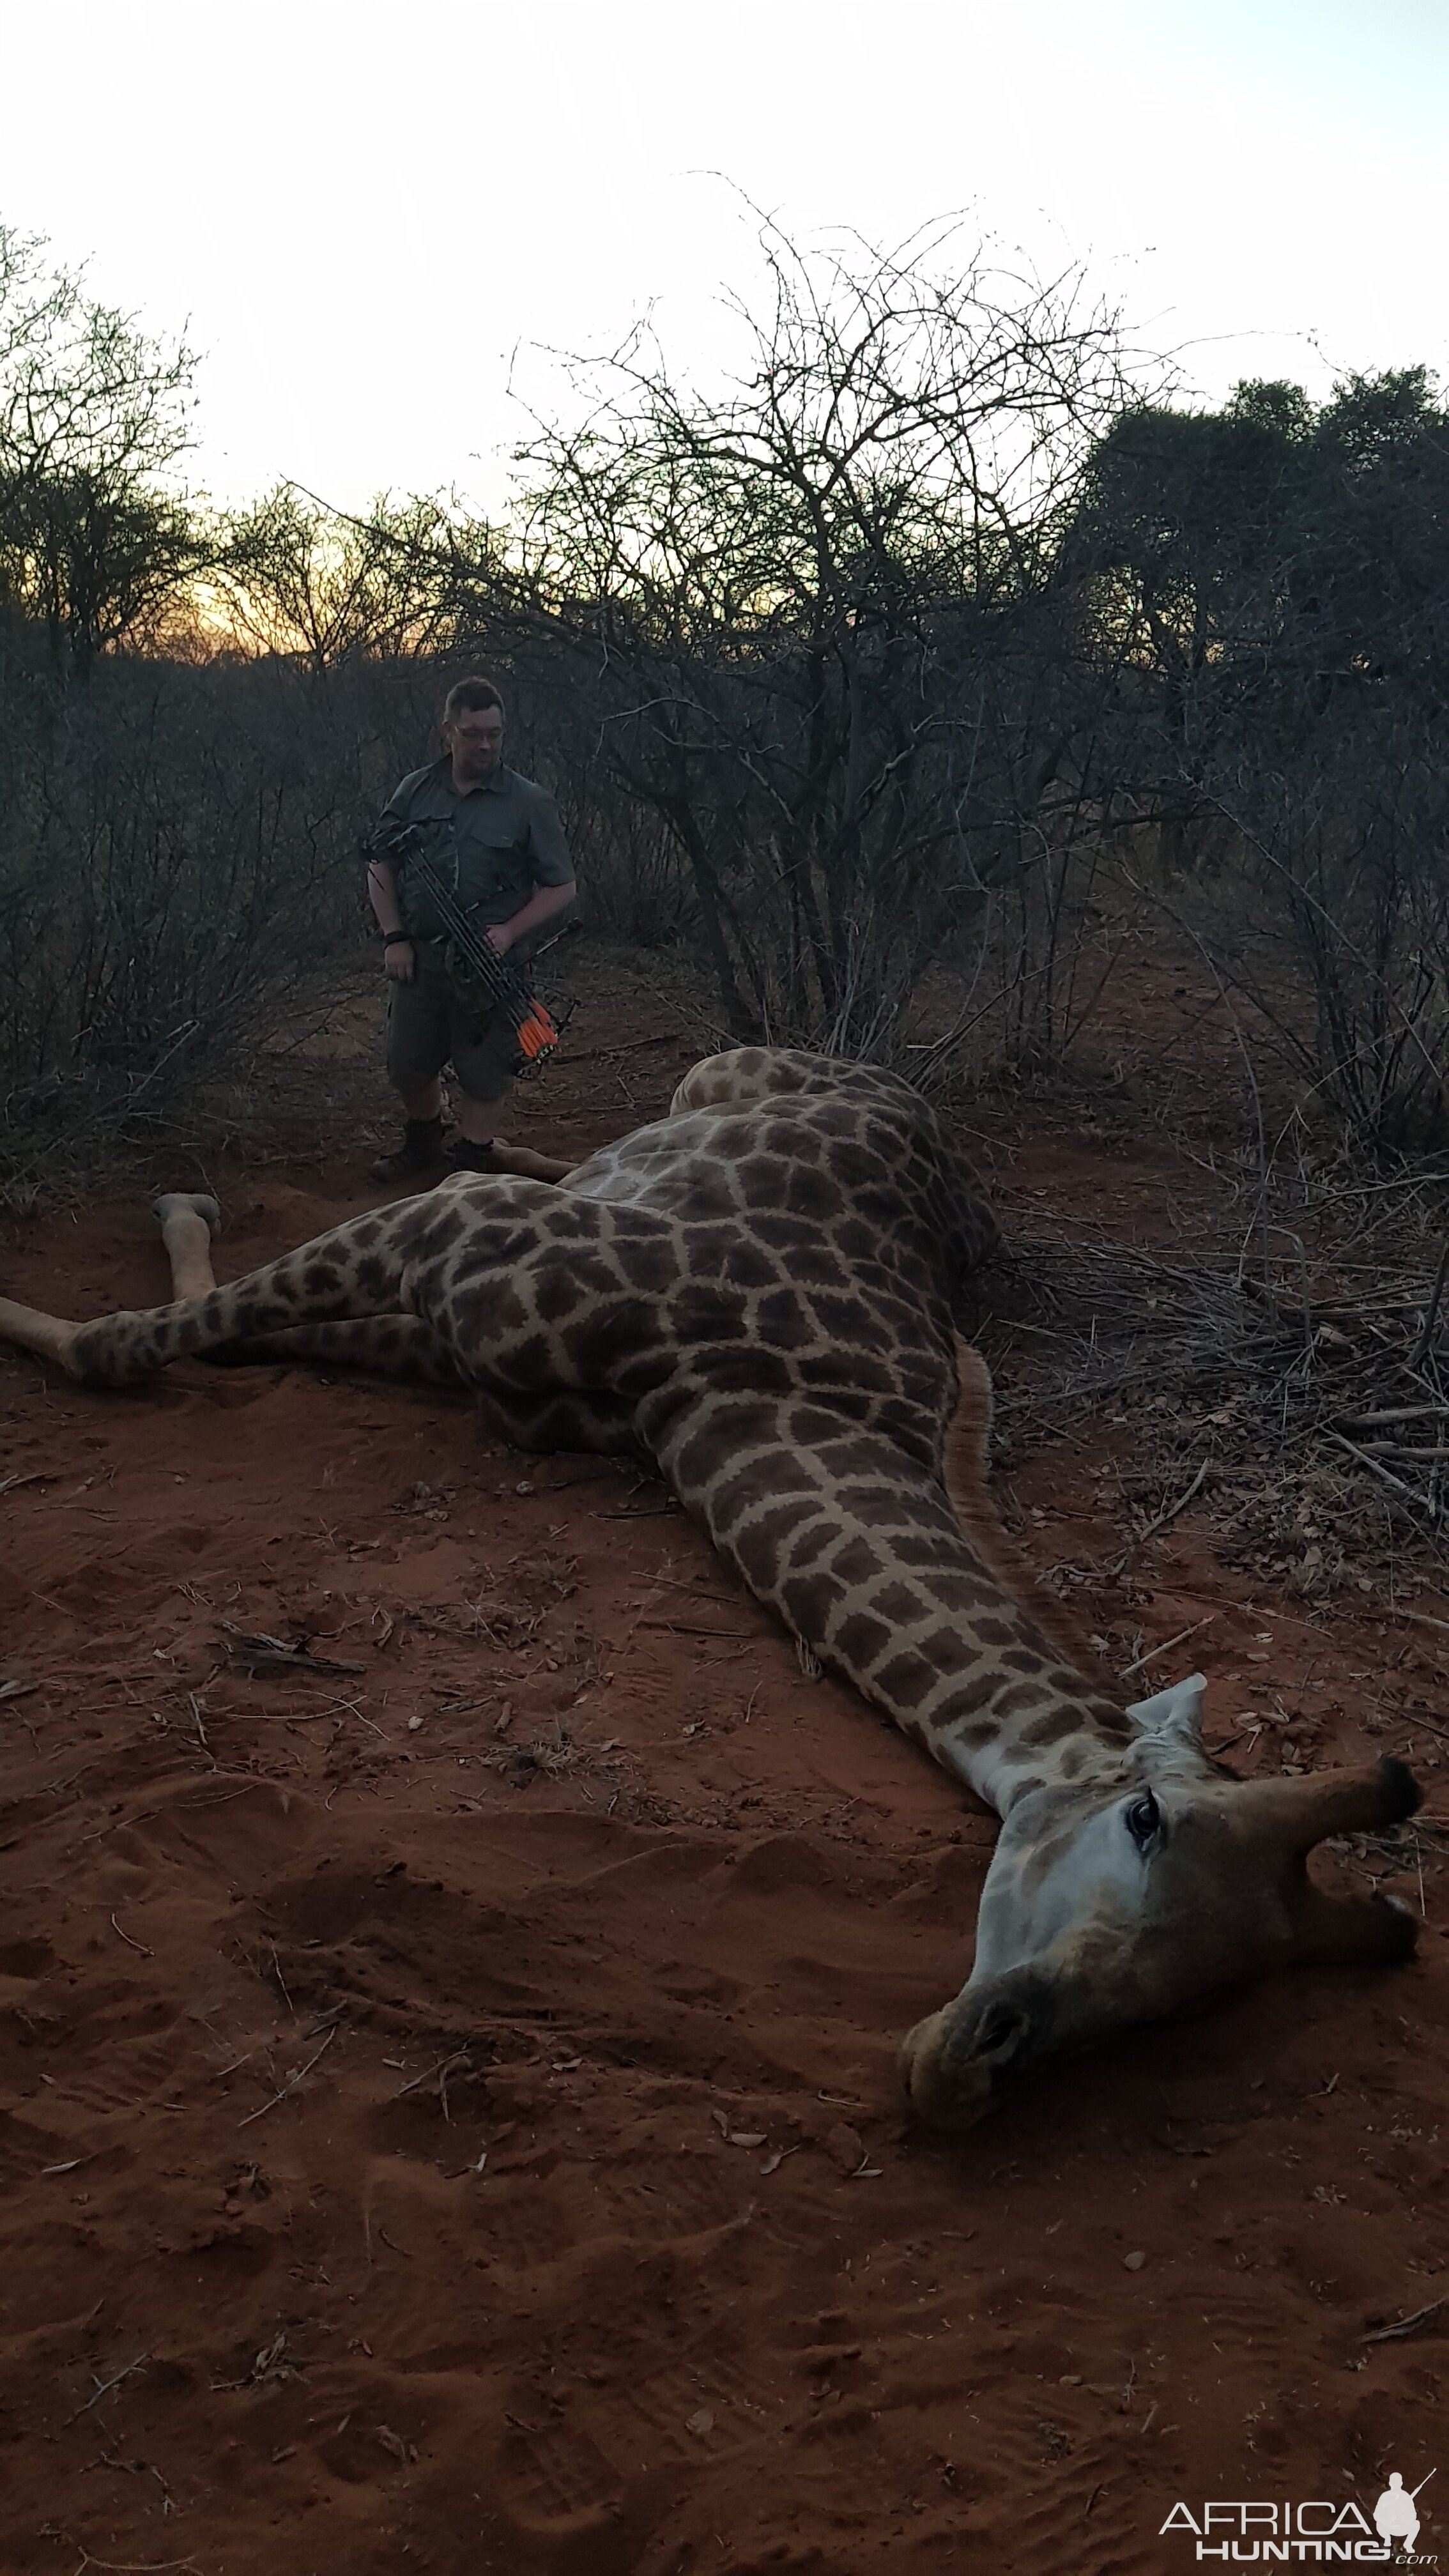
<point>538,1033</point>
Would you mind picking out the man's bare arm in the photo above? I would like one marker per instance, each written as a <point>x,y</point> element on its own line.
<point>398,958</point>
<point>382,895</point>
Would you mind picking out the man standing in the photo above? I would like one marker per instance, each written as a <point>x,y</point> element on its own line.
<point>497,844</point>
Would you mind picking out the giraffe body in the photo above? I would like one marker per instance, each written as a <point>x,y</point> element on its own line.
<point>762,1293</point>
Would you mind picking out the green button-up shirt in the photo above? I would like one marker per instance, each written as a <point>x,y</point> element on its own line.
<point>492,847</point>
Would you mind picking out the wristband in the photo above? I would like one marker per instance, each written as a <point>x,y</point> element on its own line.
<point>398,939</point>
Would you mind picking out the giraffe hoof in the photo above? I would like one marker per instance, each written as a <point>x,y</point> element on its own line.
<point>170,1203</point>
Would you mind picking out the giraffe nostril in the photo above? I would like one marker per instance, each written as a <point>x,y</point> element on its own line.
<point>942,2091</point>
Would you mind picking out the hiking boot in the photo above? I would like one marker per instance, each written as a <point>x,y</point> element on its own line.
<point>421,1151</point>
<point>464,1156</point>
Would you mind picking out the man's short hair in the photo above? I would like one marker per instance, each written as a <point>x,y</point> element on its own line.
<point>469,695</point>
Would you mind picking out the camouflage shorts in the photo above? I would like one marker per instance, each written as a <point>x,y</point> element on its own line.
<point>428,1028</point>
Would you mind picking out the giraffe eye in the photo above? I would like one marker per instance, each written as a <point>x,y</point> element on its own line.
<point>1144,1819</point>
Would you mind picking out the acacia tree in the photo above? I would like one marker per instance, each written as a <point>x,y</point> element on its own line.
<point>1279,575</point>
<point>94,413</point>
<point>318,585</point>
<point>813,619</point>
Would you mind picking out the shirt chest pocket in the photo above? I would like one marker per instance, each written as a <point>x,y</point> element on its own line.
<point>492,860</point>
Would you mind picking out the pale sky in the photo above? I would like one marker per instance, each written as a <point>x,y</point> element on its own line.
<point>365,214</point>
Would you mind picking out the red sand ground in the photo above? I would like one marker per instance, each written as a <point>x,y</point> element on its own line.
<point>448,2115</point>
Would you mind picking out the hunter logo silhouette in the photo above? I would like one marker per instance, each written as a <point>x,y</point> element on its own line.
<point>1396,2515</point>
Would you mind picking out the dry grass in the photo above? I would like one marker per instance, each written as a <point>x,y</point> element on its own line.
<point>1313,1419</point>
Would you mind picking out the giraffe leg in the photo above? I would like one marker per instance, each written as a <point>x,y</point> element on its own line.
<point>571,1419</point>
<point>529,1166</point>
<point>187,1226</point>
<point>354,1273</point>
<point>520,1161</point>
<point>374,1272</point>
<point>400,1346</point>
<point>48,1336</point>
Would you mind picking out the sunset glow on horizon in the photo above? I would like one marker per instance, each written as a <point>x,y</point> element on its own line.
<point>372,222</point>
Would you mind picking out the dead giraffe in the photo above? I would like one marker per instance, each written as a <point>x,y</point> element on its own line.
<point>761,1293</point>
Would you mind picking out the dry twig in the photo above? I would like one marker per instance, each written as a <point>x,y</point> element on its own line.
<point>1402,2327</point>
<point>291,2084</point>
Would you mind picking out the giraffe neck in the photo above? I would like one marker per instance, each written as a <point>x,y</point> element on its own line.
<point>857,1548</point>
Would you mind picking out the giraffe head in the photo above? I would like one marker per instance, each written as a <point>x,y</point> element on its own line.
<point>1138,1890</point>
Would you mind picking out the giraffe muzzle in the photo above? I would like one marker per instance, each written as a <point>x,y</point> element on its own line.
<point>957,2063</point>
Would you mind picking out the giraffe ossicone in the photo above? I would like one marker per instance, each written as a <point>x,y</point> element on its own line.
<point>762,1293</point>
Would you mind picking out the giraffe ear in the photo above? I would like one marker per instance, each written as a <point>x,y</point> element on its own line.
<point>1174,1713</point>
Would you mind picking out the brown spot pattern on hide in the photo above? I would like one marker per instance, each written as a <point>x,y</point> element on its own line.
<point>760,1288</point>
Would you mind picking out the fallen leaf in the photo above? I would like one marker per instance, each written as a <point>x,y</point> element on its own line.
<point>745,2137</point>
<point>1133,2262</point>
<point>392,2441</point>
<point>701,2422</point>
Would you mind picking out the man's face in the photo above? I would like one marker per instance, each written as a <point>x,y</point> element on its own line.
<point>474,736</point>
